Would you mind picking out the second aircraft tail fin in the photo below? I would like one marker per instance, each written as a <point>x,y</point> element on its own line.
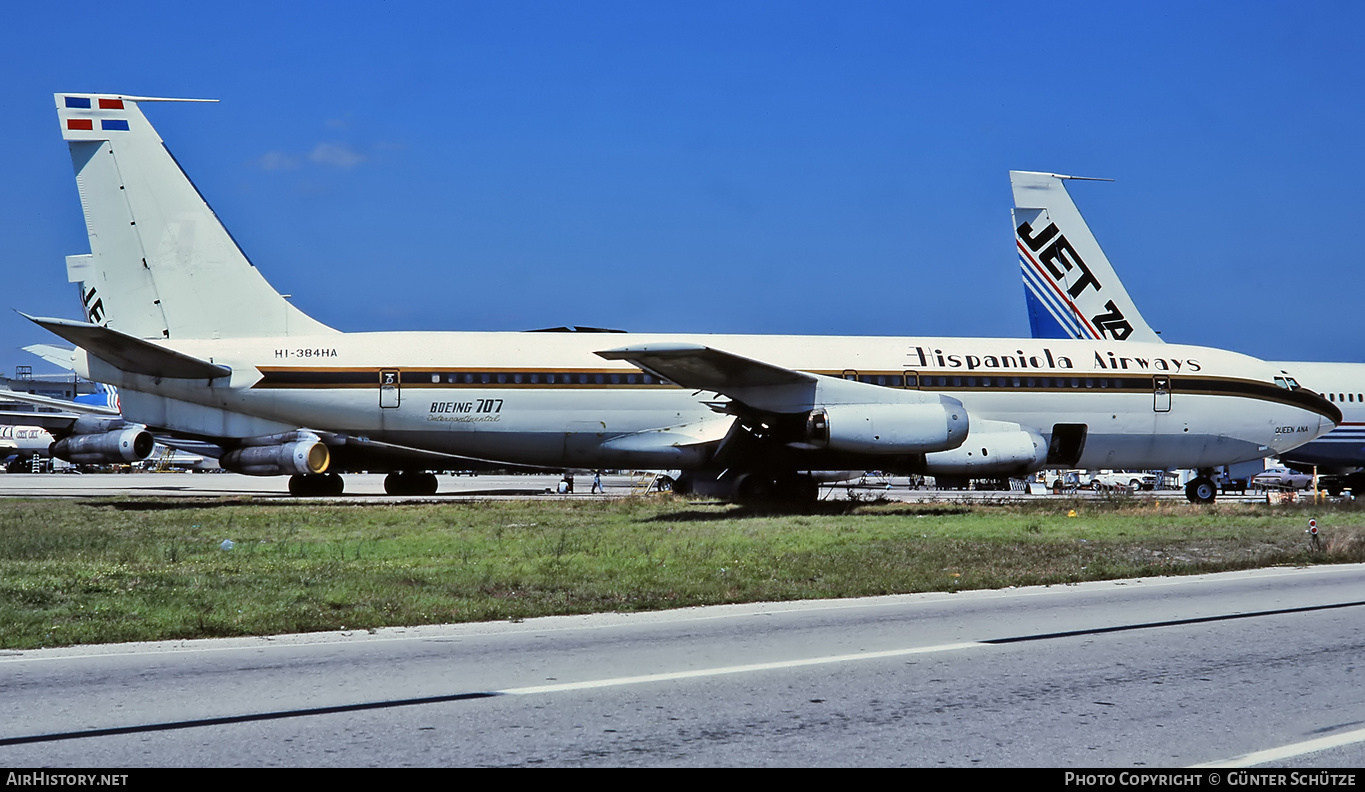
<point>161,265</point>
<point>1071,289</point>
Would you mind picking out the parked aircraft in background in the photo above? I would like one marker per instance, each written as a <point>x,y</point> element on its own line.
<point>1082,297</point>
<point>107,439</point>
<point>200,345</point>
<point>88,430</point>
<point>24,442</point>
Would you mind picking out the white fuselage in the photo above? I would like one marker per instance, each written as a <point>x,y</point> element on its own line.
<point>546,399</point>
<point>27,440</point>
<point>1342,449</point>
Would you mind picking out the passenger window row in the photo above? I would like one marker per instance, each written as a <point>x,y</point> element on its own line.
<point>882,380</point>
<point>531,378</point>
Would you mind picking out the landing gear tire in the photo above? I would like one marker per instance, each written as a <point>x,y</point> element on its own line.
<point>797,489</point>
<point>406,483</point>
<point>316,485</point>
<point>754,487</point>
<point>1201,490</point>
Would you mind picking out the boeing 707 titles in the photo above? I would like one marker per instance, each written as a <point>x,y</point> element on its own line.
<point>200,345</point>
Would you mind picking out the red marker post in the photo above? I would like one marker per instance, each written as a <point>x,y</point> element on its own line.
<point>1313,541</point>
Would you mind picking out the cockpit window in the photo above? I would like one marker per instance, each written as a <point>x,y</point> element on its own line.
<point>1287,382</point>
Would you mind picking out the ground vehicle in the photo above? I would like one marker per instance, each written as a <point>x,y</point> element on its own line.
<point>1281,478</point>
<point>1119,480</point>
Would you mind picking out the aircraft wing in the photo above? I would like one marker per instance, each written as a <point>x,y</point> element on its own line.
<point>130,353</point>
<point>754,383</point>
<point>359,452</point>
<point>65,405</point>
<point>56,423</point>
<point>348,453</point>
<point>203,448</point>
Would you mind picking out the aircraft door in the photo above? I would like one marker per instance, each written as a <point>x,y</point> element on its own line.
<point>911,380</point>
<point>1066,444</point>
<point>390,383</point>
<point>1161,393</point>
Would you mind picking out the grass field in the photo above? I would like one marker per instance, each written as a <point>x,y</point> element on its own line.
<point>98,571</point>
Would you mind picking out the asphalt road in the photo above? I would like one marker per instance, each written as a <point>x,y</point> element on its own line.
<point>1259,668</point>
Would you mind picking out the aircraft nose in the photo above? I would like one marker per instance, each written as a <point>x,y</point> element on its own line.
<point>1330,418</point>
<point>1326,425</point>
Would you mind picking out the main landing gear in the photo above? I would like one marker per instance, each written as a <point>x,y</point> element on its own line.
<point>316,485</point>
<point>1202,489</point>
<point>409,483</point>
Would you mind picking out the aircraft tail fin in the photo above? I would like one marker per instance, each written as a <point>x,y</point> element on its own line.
<point>161,264</point>
<point>1070,287</point>
<point>104,396</point>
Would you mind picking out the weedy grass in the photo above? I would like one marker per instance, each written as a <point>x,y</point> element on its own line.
<point>100,571</point>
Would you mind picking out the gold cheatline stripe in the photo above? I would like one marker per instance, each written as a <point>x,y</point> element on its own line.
<point>1181,385</point>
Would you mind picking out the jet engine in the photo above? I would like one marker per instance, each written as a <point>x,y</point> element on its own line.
<point>111,444</point>
<point>887,428</point>
<point>992,448</point>
<point>292,453</point>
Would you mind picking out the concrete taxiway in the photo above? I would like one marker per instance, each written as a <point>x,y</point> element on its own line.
<point>367,487</point>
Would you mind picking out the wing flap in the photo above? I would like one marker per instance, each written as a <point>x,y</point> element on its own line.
<point>702,368</point>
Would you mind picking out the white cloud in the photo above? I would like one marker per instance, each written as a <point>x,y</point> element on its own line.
<point>335,154</point>
<point>277,160</point>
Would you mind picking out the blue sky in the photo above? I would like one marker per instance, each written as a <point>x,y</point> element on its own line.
<point>784,167</point>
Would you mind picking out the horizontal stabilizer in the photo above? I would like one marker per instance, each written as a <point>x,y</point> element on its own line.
<point>131,354</point>
<point>57,356</point>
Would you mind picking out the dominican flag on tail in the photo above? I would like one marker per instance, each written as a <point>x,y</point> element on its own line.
<point>95,116</point>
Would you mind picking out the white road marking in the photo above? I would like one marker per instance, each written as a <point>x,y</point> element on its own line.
<point>740,669</point>
<point>1290,751</point>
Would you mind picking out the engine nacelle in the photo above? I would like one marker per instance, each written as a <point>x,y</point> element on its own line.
<point>887,428</point>
<point>992,448</point>
<point>300,457</point>
<point>116,447</point>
